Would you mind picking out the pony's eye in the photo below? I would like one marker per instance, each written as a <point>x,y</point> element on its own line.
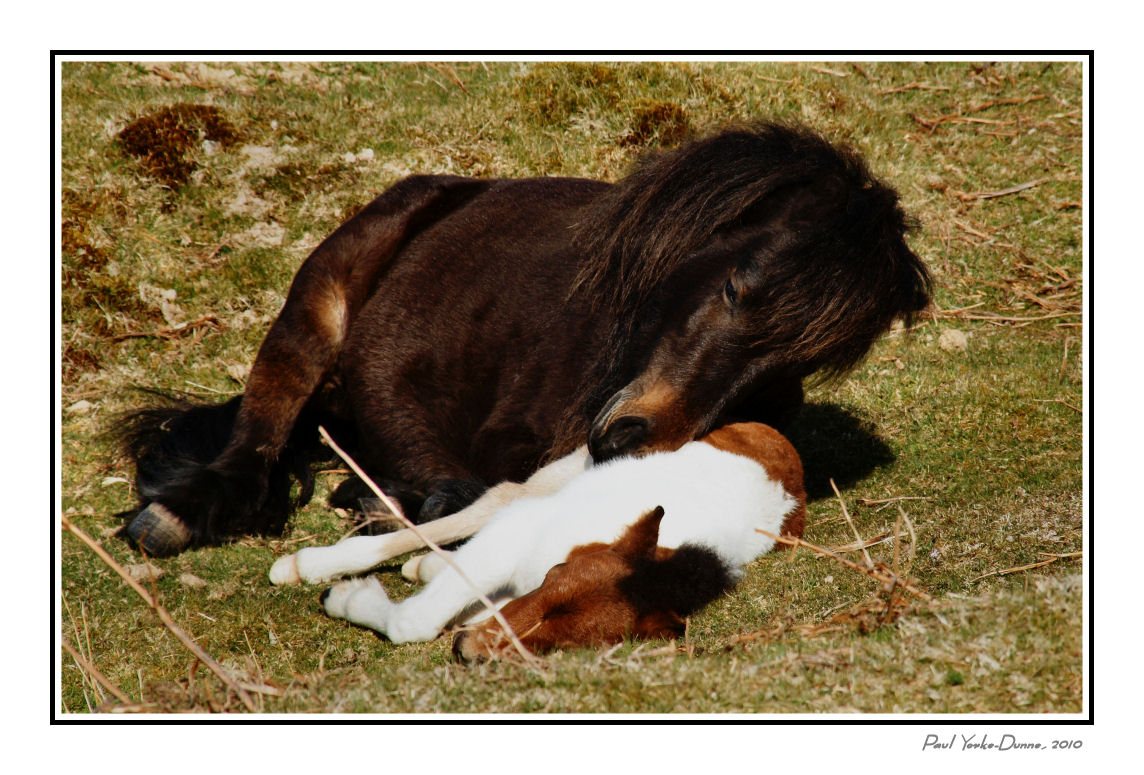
<point>730,294</point>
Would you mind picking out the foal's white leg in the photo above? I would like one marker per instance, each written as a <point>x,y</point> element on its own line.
<point>359,554</point>
<point>488,562</point>
<point>556,474</point>
<point>361,601</point>
<point>321,563</point>
<point>418,618</point>
<point>546,481</point>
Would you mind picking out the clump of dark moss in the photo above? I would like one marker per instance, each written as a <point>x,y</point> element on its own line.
<point>163,140</point>
<point>85,256</point>
<point>658,123</point>
<point>78,359</point>
<point>78,247</point>
<point>83,241</point>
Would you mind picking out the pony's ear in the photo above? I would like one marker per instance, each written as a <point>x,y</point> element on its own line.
<point>639,541</point>
<point>659,624</point>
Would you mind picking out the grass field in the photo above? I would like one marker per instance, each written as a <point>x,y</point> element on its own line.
<point>179,238</point>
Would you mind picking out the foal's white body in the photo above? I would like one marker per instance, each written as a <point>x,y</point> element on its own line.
<point>710,497</point>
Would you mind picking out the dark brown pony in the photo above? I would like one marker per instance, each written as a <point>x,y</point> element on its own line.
<point>464,331</point>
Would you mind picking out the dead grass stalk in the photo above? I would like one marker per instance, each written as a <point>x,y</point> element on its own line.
<point>92,672</point>
<point>525,654</point>
<point>846,514</point>
<point>162,613</point>
<point>879,572</point>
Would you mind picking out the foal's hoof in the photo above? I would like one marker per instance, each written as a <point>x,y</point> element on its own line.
<point>158,532</point>
<point>448,497</point>
<point>285,571</point>
<point>422,568</point>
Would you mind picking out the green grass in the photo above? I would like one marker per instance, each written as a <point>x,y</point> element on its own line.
<point>986,442</point>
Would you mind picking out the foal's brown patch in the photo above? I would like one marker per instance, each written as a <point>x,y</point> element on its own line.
<point>581,602</point>
<point>604,593</point>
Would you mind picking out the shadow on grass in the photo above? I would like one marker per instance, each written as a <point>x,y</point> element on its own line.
<point>835,444</point>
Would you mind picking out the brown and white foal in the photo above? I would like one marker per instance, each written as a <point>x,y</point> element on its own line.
<point>587,554</point>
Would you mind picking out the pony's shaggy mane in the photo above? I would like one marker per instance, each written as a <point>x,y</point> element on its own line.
<point>842,280</point>
<point>672,202</point>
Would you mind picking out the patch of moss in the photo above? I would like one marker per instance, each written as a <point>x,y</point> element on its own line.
<point>77,360</point>
<point>657,123</point>
<point>163,140</point>
<point>296,181</point>
<point>92,288</point>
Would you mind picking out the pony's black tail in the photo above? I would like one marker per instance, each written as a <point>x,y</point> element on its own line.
<point>174,444</point>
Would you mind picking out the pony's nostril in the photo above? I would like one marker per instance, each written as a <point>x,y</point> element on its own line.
<point>623,435</point>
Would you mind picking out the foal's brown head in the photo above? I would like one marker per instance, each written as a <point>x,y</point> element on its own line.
<point>604,593</point>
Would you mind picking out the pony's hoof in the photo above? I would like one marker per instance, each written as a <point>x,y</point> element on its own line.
<point>285,571</point>
<point>158,532</point>
<point>449,497</point>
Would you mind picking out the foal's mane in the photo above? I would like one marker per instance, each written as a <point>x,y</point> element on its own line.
<point>645,226</point>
